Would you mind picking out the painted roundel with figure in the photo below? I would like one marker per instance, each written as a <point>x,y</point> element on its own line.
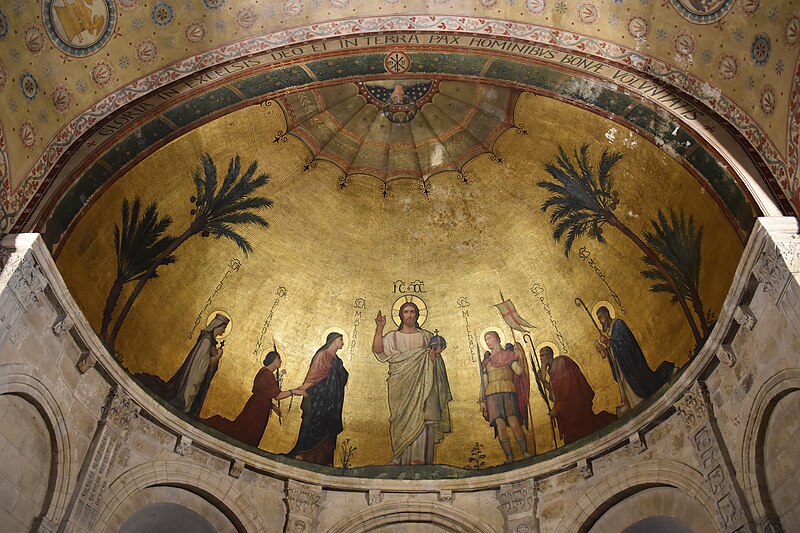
<point>79,27</point>
<point>403,269</point>
<point>702,11</point>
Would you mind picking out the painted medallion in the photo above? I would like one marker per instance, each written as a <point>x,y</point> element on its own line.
<point>79,27</point>
<point>702,11</point>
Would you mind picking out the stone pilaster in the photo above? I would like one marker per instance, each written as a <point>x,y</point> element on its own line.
<point>696,411</point>
<point>302,503</point>
<point>518,503</point>
<point>118,420</point>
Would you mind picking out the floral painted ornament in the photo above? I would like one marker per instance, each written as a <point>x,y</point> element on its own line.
<point>62,97</point>
<point>760,49</point>
<point>102,72</point>
<point>27,134</point>
<point>33,36</point>
<point>29,86</point>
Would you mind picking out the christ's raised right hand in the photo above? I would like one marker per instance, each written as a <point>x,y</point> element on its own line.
<point>380,321</point>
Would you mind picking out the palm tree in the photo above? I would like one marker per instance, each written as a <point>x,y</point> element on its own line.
<point>677,243</point>
<point>216,212</point>
<point>137,246</point>
<point>583,201</point>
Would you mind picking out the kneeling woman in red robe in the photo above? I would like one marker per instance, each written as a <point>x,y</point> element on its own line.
<point>249,426</point>
<point>322,408</point>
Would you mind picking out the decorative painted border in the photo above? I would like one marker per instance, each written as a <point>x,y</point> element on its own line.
<point>15,206</point>
<point>72,50</point>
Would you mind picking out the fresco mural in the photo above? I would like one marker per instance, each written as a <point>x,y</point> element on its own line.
<point>531,307</point>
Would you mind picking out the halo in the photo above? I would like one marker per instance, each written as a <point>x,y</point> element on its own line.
<point>552,345</point>
<point>228,328</point>
<point>598,305</point>
<point>482,339</point>
<point>423,309</point>
<point>338,330</point>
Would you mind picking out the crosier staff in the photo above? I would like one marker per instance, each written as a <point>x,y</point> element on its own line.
<point>539,385</point>
<point>606,354</point>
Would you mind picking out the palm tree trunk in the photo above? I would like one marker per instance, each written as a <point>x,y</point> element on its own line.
<point>144,279</point>
<point>111,303</point>
<point>697,304</point>
<point>614,221</point>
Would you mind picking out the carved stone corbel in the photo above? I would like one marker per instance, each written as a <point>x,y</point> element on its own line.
<point>745,317</point>
<point>63,323</point>
<point>726,355</point>
<point>236,469</point>
<point>302,501</point>
<point>585,466</point>
<point>638,442</point>
<point>374,497</point>
<point>518,503</point>
<point>446,496</point>
<point>86,361</point>
<point>183,445</point>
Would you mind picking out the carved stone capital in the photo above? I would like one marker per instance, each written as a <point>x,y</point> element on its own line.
<point>517,498</point>
<point>777,262</point>
<point>302,499</point>
<point>745,317</point>
<point>24,277</point>
<point>63,323</point>
<point>120,412</point>
<point>726,356</point>
<point>236,469</point>
<point>518,503</point>
<point>693,406</point>
<point>183,445</point>
<point>374,497</point>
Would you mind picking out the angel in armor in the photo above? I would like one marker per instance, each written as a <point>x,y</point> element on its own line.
<point>504,403</point>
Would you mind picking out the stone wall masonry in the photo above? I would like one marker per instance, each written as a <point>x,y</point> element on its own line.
<point>701,442</point>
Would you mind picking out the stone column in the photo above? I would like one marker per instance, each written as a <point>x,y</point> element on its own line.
<point>117,421</point>
<point>518,503</point>
<point>302,503</point>
<point>696,410</point>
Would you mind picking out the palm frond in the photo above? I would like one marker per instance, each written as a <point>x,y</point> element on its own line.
<point>224,230</point>
<point>581,199</point>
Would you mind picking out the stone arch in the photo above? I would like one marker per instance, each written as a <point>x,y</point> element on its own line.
<point>215,488</point>
<point>142,505</point>
<point>19,380</point>
<point>752,457</point>
<point>627,481</point>
<point>444,516</point>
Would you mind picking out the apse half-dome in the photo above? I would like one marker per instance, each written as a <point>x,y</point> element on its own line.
<point>514,218</point>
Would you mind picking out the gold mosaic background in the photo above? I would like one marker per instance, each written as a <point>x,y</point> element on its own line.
<point>328,247</point>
